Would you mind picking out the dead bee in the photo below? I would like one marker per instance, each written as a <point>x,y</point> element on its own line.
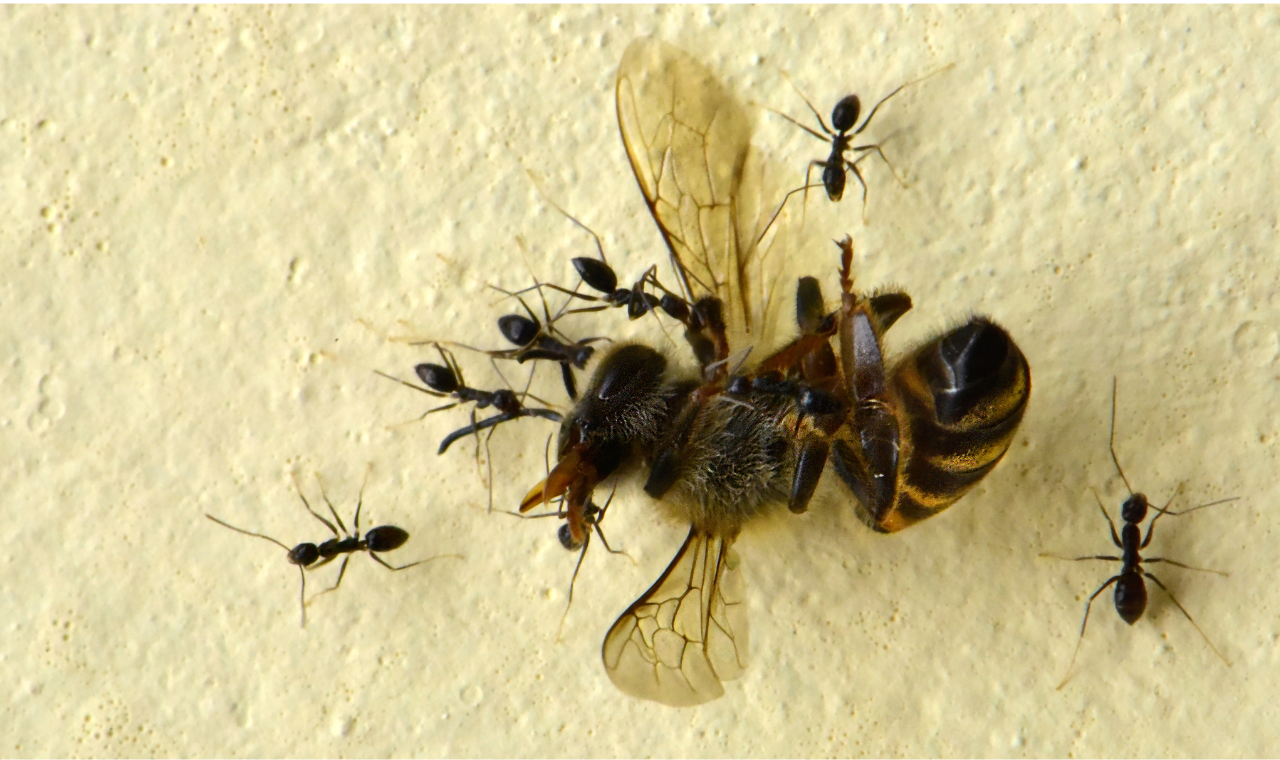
<point>719,447</point>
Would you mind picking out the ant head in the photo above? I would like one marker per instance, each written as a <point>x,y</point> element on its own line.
<point>519,330</point>
<point>385,538</point>
<point>596,273</point>
<point>437,378</point>
<point>1134,509</point>
<point>845,115</point>
<point>304,554</point>
<point>566,538</point>
<point>581,356</point>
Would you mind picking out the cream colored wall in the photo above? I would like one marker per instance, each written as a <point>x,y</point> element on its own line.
<point>200,205</point>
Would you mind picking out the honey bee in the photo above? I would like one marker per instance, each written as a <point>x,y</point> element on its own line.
<point>718,446</point>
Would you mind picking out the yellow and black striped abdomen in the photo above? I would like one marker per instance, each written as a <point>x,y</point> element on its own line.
<point>959,401</point>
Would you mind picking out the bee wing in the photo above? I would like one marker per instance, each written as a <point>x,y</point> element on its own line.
<point>688,632</point>
<point>688,140</point>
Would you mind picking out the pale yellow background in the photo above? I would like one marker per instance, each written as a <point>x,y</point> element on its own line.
<point>199,204</point>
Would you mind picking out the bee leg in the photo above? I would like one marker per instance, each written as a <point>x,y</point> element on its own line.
<point>666,465</point>
<point>709,311</point>
<point>809,306</point>
<point>888,307</point>
<point>570,386</point>
<point>809,467</point>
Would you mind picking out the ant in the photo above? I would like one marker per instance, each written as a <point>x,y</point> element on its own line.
<point>446,381</point>
<point>602,278</point>
<point>844,127</point>
<point>1131,591</point>
<point>533,342</point>
<point>309,556</point>
<point>593,517</point>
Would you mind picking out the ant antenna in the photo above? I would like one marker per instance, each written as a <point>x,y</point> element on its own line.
<point>302,574</point>
<point>1114,458</point>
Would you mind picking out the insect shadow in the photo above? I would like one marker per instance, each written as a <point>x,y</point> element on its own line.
<point>309,556</point>
<point>1130,594</point>
<point>840,135</point>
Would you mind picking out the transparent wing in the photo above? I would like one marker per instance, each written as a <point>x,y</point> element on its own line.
<point>688,140</point>
<point>688,632</point>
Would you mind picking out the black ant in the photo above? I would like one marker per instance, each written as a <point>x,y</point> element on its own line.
<point>844,127</point>
<point>534,342</point>
<point>309,556</point>
<point>446,381</point>
<point>602,278</point>
<point>593,517</point>
<point>1131,590</point>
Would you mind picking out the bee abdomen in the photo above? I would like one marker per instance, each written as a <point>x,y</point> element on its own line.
<point>964,395</point>
<point>959,401</point>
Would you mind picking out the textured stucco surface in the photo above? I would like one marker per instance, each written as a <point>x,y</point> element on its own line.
<point>212,217</point>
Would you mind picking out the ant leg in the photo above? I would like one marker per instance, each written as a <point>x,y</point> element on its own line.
<point>782,205</point>
<point>1115,538</point>
<point>488,463</point>
<point>853,167</point>
<point>1160,512</point>
<point>1184,567</point>
<point>1080,641</point>
<point>1112,442</point>
<point>393,568</point>
<point>307,504</point>
<point>599,532</point>
<point>1188,616</point>
<point>807,102</point>
<point>333,511</point>
<point>451,362</point>
<point>565,615</point>
<point>1080,559</point>
<point>341,572</point>
<point>804,199</point>
<point>867,150</point>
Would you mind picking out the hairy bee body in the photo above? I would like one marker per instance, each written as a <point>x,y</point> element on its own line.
<point>713,460</point>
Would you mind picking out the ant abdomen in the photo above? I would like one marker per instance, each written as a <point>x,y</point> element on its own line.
<point>521,331</point>
<point>385,538</point>
<point>597,274</point>
<point>437,378</point>
<point>1130,597</point>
